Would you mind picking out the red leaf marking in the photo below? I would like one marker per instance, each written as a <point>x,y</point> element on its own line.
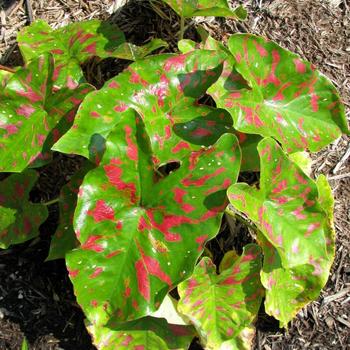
<point>95,114</point>
<point>180,146</point>
<point>94,303</point>
<point>10,128</point>
<point>299,66</point>
<point>25,110</point>
<point>252,117</point>
<point>127,340</point>
<point>176,62</point>
<point>314,102</point>
<point>271,78</point>
<point>121,108</point>
<point>57,52</point>
<point>91,245</point>
<point>73,273</point>
<point>169,221</point>
<point>201,240</point>
<point>41,139</point>
<point>57,71</point>
<point>114,173</point>
<point>85,37</point>
<point>202,180</point>
<point>139,347</point>
<point>279,95</point>
<point>281,186</point>
<point>131,150</point>
<point>264,223</point>
<point>91,49</point>
<point>298,213</point>
<point>261,50</point>
<point>97,271</point>
<point>201,132</point>
<point>114,253</point>
<point>102,211</point>
<point>136,78</point>
<point>114,85</point>
<point>312,228</point>
<point>187,208</point>
<point>229,332</point>
<point>143,282</point>
<point>30,94</point>
<point>179,194</point>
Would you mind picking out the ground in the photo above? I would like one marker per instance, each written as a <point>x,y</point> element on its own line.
<point>36,298</point>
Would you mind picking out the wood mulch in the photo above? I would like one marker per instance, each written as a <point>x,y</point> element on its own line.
<point>36,298</point>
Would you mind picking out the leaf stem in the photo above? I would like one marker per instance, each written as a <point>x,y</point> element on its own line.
<point>53,201</point>
<point>182,27</point>
<point>7,69</point>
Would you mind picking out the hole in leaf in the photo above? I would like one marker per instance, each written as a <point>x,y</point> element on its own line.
<point>166,169</point>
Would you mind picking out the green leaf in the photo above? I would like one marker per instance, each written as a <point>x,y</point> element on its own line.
<point>31,114</point>
<point>295,218</point>
<point>218,8</point>
<point>142,233</point>
<point>175,336</point>
<point>64,239</point>
<point>164,90</point>
<point>222,307</point>
<point>287,97</point>
<point>25,345</point>
<point>75,43</point>
<point>14,200</point>
<point>107,339</point>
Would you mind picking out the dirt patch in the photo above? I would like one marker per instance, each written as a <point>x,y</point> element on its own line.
<point>36,298</point>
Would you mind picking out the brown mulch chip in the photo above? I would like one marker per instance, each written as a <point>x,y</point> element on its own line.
<point>36,298</point>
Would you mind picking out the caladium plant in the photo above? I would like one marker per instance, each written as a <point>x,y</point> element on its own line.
<point>161,170</point>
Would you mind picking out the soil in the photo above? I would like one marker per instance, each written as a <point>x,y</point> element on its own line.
<point>36,297</point>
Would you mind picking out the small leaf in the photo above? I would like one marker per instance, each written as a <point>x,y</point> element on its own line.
<point>107,339</point>
<point>64,239</point>
<point>174,335</point>
<point>218,8</point>
<point>142,233</point>
<point>295,218</point>
<point>30,112</point>
<point>222,307</point>
<point>14,195</point>
<point>287,97</point>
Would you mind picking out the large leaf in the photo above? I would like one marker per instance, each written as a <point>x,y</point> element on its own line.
<point>294,216</point>
<point>75,43</point>
<point>29,112</point>
<point>175,336</point>
<point>218,8</point>
<point>20,219</point>
<point>164,90</point>
<point>64,238</point>
<point>222,307</point>
<point>140,233</point>
<point>287,98</point>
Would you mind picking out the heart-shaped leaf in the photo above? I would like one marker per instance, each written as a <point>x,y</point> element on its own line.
<point>64,239</point>
<point>175,336</point>
<point>142,233</point>
<point>296,230</point>
<point>287,97</point>
<point>30,112</point>
<point>222,307</point>
<point>164,90</point>
<point>75,43</point>
<point>218,8</point>
<point>21,217</point>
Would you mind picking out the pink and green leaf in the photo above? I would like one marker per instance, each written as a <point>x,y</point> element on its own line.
<point>107,339</point>
<point>164,90</point>
<point>141,233</point>
<point>222,307</point>
<point>287,97</point>
<point>64,239</point>
<point>75,43</point>
<point>20,219</point>
<point>218,8</point>
<point>174,335</point>
<point>293,214</point>
<point>30,111</point>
